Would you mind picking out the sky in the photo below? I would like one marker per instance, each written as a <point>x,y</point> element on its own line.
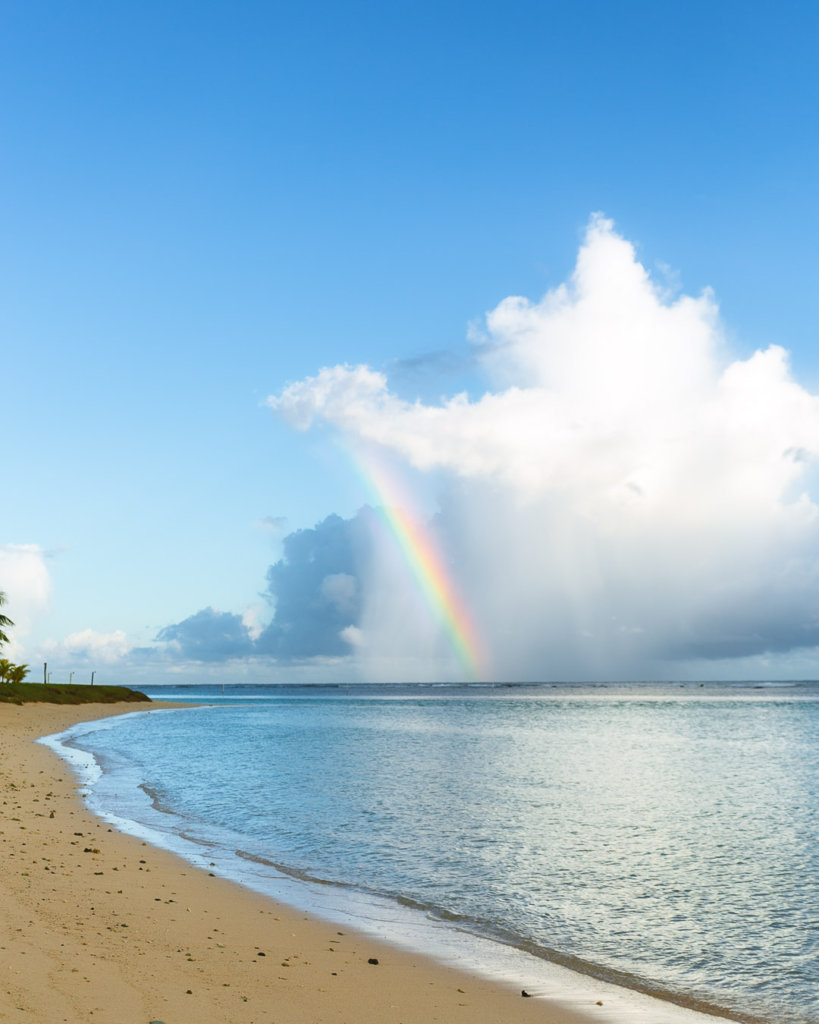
<point>396,341</point>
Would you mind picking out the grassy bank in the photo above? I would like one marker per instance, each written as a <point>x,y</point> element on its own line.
<point>28,693</point>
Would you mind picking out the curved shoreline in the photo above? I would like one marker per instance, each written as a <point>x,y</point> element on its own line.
<point>461,944</point>
<point>423,989</point>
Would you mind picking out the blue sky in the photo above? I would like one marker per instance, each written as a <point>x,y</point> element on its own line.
<point>205,203</point>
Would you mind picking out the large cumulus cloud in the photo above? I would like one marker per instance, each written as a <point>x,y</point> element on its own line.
<point>625,496</point>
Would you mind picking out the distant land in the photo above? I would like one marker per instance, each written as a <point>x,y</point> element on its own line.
<point>30,693</point>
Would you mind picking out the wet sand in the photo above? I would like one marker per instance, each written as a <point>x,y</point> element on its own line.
<point>96,925</point>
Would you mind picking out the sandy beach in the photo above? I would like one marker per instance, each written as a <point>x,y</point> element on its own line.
<point>96,925</point>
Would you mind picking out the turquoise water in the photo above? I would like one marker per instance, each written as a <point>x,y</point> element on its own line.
<point>661,837</point>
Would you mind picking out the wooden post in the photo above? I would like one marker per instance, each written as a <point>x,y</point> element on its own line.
<point>45,673</point>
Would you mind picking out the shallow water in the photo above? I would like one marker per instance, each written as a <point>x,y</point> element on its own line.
<point>663,837</point>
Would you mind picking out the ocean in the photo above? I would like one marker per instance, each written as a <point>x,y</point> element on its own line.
<point>661,837</point>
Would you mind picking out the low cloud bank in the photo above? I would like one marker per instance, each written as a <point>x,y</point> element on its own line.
<point>89,647</point>
<point>315,589</point>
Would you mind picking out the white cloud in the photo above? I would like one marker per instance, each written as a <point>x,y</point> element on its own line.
<point>251,622</point>
<point>89,645</point>
<point>353,636</point>
<point>25,579</point>
<point>626,496</point>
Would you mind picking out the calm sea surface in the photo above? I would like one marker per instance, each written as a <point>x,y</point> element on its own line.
<point>664,837</point>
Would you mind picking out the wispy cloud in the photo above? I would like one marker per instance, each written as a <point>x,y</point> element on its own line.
<point>272,524</point>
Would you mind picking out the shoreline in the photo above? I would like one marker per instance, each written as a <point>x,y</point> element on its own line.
<point>99,913</point>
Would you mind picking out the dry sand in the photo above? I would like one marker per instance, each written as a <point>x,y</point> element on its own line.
<point>97,926</point>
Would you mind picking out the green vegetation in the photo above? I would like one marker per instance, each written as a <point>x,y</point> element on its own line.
<point>28,693</point>
<point>11,673</point>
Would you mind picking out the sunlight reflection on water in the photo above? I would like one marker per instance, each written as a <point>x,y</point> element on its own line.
<point>667,838</point>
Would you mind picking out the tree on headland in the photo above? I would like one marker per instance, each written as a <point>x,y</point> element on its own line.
<point>17,674</point>
<point>5,621</point>
<point>11,673</point>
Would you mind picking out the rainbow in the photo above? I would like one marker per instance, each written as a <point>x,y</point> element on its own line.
<point>425,562</point>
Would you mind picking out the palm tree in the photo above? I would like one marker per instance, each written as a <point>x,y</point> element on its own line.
<point>11,673</point>
<point>5,621</point>
<point>17,673</point>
